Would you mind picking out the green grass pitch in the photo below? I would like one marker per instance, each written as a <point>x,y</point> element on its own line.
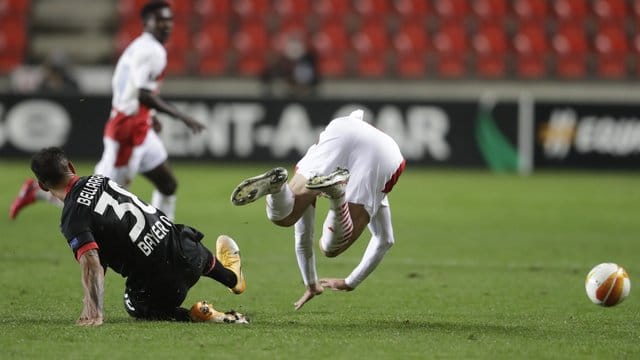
<point>484,266</point>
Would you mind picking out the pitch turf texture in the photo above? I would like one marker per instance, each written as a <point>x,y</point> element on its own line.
<point>484,266</point>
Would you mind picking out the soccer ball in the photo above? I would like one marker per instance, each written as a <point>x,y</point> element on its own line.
<point>607,284</point>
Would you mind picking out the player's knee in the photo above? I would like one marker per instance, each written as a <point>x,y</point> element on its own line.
<point>286,222</point>
<point>168,187</point>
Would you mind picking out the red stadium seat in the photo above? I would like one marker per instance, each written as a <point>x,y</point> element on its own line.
<point>412,8</point>
<point>571,48</point>
<point>212,10</point>
<point>14,8</point>
<point>252,8</point>
<point>371,65</point>
<point>10,61</point>
<point>212,64</point>
<point>410,66</point>
<point>612,50</point>
<point>333,65</point>
<point>531,9</point>
<point>635,9</point>
<point>13,37</point>
<point>451,9</point>
<point>182,9</point>
<point>250,64</point>
<point>331,38</point>
<point>332,9</point>
<point>371,37</point>
<point>214,37</point>
<point>490,44</point>
<point>570,10</point>
<point>490,9</point>
<point>449,66</point>
<point>297,9</point>
<point>251,37</point>
<point>610,10</point>
<point>531,46</point>
<point>177,64</point>
<point>411,37</point>
<point>451,39</point>
<point>372,8</point>
<point>451,46</point>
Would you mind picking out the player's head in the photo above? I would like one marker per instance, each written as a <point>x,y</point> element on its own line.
<point>51,167</point>
<point>158,19</point>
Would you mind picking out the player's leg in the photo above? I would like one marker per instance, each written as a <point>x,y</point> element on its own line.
<point>286,207</point>
<point>345,221</point>
<point>285,202</point>
<point>165,184</point>
<point>161,302</point>
<point>30,193</point>
<point>151,157</point>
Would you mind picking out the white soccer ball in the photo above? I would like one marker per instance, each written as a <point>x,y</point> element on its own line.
<point>607,284</point>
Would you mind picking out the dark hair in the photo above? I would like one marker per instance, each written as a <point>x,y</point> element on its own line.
<point>50,166</point>
<point>152,6</point>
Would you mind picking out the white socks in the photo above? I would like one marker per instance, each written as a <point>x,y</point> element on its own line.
<point>280,204</point>
<point>166,204</point>
<point>337,228</point>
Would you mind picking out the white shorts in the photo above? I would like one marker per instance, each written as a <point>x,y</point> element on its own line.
<point>372,157</point>
<point>144,157</point>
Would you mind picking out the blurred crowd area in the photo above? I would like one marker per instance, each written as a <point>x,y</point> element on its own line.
<point>341,39</point>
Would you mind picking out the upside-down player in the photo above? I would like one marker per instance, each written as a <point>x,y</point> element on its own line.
<point>106,226</point>
<point>355,165</point>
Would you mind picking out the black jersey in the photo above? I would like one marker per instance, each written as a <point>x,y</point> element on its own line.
<point>132,236</point>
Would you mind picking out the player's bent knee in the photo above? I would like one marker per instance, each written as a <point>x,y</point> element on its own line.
<point>286,222</point>
<point>168,188</point>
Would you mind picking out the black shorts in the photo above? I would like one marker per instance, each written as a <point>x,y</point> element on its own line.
<point>157,295</point>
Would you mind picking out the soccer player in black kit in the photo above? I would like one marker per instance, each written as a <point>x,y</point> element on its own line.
<point>106,226</point>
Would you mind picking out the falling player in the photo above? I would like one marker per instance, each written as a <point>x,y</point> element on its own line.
<point>353,164</point>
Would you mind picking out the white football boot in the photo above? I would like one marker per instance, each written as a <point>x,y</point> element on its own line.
<point>256,187</point>
<point>331,185</point>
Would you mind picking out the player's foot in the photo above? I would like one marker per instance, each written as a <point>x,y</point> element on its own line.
<point>256,187</point>
<point>331,185</point>
<point>26,196</point>
<point>228,253</point>
<point>202,311</point>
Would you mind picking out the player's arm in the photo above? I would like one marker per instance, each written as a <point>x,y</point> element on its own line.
<point>372,257</point>
<point>154,101</point>
<point>93,285</point>
<point>303,230</point>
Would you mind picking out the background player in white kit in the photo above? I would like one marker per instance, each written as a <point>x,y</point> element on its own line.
<point>131,145</point>
<point>355,165</point>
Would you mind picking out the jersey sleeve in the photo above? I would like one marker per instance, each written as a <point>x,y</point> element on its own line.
<point>76,229</point>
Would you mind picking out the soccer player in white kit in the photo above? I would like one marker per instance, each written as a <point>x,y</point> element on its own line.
<point>355,165</point>
<point>131,144</point>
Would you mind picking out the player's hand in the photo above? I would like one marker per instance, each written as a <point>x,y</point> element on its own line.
<point>335,284</point>
<point>312,290</point>
<point>90,320</point>
<point>192,124</point>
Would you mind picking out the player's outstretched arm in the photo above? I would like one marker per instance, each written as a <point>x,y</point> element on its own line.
<point>312,290</point>
<point>93,285</point>
<point>335,284</point>
<point>154,101</point>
